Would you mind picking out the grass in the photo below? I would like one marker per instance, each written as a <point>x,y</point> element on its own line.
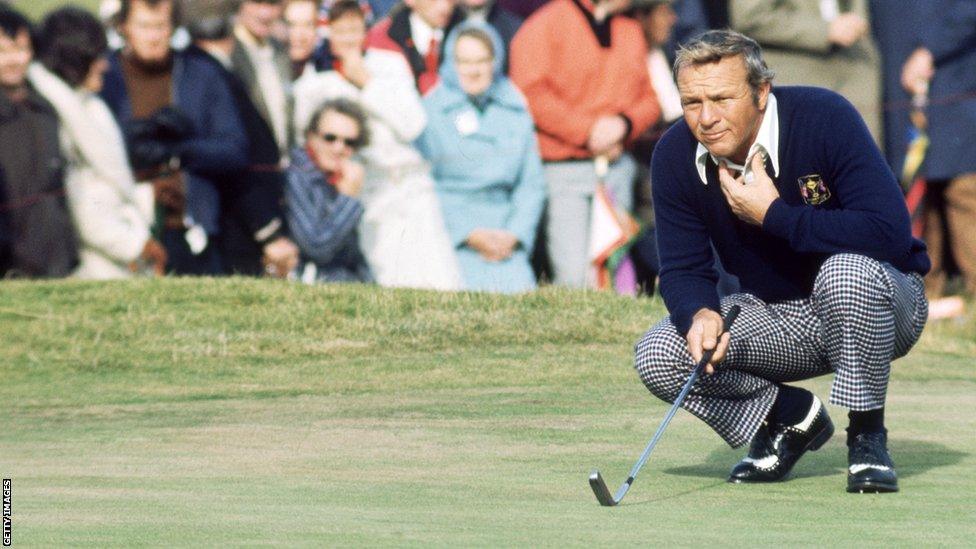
<point>249,412</point>
<point>36,9</point>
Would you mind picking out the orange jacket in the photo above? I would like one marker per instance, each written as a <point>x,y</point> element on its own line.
<point>570,80</point>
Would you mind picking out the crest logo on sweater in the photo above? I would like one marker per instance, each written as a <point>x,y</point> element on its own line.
<point>813,189</point>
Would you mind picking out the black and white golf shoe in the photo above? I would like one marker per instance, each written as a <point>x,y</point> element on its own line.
<point>776,448</point>
<point>870,468</point>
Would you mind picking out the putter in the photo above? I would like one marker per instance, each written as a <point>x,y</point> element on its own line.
<point>596,479</point>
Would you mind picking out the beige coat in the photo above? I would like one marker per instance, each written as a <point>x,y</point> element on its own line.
<point>793,35</point>
<point>112,215</point>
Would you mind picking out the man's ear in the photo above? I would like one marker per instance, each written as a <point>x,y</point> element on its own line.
<point>762,96</point>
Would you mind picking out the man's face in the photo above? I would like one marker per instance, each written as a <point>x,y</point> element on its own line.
<point>474,65</point>
<point>15,56</point>
<point>658,24</point>
<point>148,29</point>
<point>436,13</point>
<point>300,17</point>
<point>719,107</point>
<point>333,141</point>
<point>347,34</point>
<point>259,17</point>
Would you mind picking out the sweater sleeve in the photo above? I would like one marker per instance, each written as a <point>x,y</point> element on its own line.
<point>688,277</point>
<point>644,109</point>
<point>390,96</point>
<point>223,147</point>
<point>320,228</point>
<point>871,219</point>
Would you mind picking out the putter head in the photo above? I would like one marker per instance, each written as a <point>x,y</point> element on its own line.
<point>600,490</point>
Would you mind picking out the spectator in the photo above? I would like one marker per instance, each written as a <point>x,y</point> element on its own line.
<point>301,18</point>
<point>402,231</point>
<point>522,8</point>
<point>824,43</point>
<point>505,23</point>
<point>112,220</point>
<point>183,131</point>
<point>693,18</point>
<point>944,66</point>
<point>324,183</point>
<point>657,19</point>
<point>36,236</point>
<point>581,67</point>
<point>262,63</point>
<point>253,237</point>
<point>416,31</point>
<point>481,141</point>
<point>380,8</point>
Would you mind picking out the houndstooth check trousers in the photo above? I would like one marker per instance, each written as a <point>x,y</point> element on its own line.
<point>861,315</point>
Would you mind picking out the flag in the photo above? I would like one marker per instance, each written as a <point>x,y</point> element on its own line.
<point>612,233</point>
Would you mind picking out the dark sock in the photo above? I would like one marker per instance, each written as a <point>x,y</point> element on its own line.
<point>791,406</point>
<point>870,421</point>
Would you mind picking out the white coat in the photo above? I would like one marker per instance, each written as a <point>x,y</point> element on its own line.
<point>111,215</point>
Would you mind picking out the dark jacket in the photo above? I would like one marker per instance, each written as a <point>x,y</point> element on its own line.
<point>219,146</point>
<point>948,29</point>
<point>37,238</point>
<point>251,213</point>
<point>242,66</point>
<point>859,209</point>
<point>323,222</point>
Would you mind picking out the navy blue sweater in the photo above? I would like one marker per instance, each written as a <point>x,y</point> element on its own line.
<point>819,133</point>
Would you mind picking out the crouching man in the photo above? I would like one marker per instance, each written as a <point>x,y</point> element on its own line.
<point>789,187</point>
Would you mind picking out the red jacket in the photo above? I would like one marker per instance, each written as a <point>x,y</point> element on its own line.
<point>570,78</point>
<point>393,34</point>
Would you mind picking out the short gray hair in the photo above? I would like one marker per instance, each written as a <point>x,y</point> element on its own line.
<point>715,45</point>
<point>347,108</point>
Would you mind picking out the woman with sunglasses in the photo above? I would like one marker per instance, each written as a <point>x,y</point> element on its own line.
<point>481,143</point>
<point>322,203</point>
<point>402,231</point>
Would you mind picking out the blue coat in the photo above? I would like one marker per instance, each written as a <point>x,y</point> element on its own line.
<point>220,146</point>
<point>487,170</point>
<point>948,29</point>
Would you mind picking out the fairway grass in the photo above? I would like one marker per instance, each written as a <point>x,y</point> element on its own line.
<point>250,412</point>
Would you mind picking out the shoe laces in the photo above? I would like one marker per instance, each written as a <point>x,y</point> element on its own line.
<point>870,449</point>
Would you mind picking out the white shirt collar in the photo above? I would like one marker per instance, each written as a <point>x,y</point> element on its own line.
<point>767,141</point>
<point>421,33</point>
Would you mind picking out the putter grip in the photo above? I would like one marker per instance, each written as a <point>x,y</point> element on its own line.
<point>726,325</point>
<point>730,318</point>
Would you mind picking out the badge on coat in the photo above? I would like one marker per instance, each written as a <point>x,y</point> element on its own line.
<point>466,123</point>
<point>813,189</point>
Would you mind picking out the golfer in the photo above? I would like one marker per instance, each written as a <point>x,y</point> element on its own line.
<point>789,188</point>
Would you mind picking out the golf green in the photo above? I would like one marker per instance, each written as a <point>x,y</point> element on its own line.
<point>185,412</point>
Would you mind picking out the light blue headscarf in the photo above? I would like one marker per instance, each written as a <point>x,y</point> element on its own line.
<point>501,91</point>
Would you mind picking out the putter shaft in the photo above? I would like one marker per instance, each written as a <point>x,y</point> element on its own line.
<point>596,479</point>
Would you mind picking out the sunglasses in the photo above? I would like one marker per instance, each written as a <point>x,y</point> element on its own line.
<point>332,138</point>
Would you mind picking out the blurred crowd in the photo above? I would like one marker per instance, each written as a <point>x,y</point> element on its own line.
<point>448,144</point>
